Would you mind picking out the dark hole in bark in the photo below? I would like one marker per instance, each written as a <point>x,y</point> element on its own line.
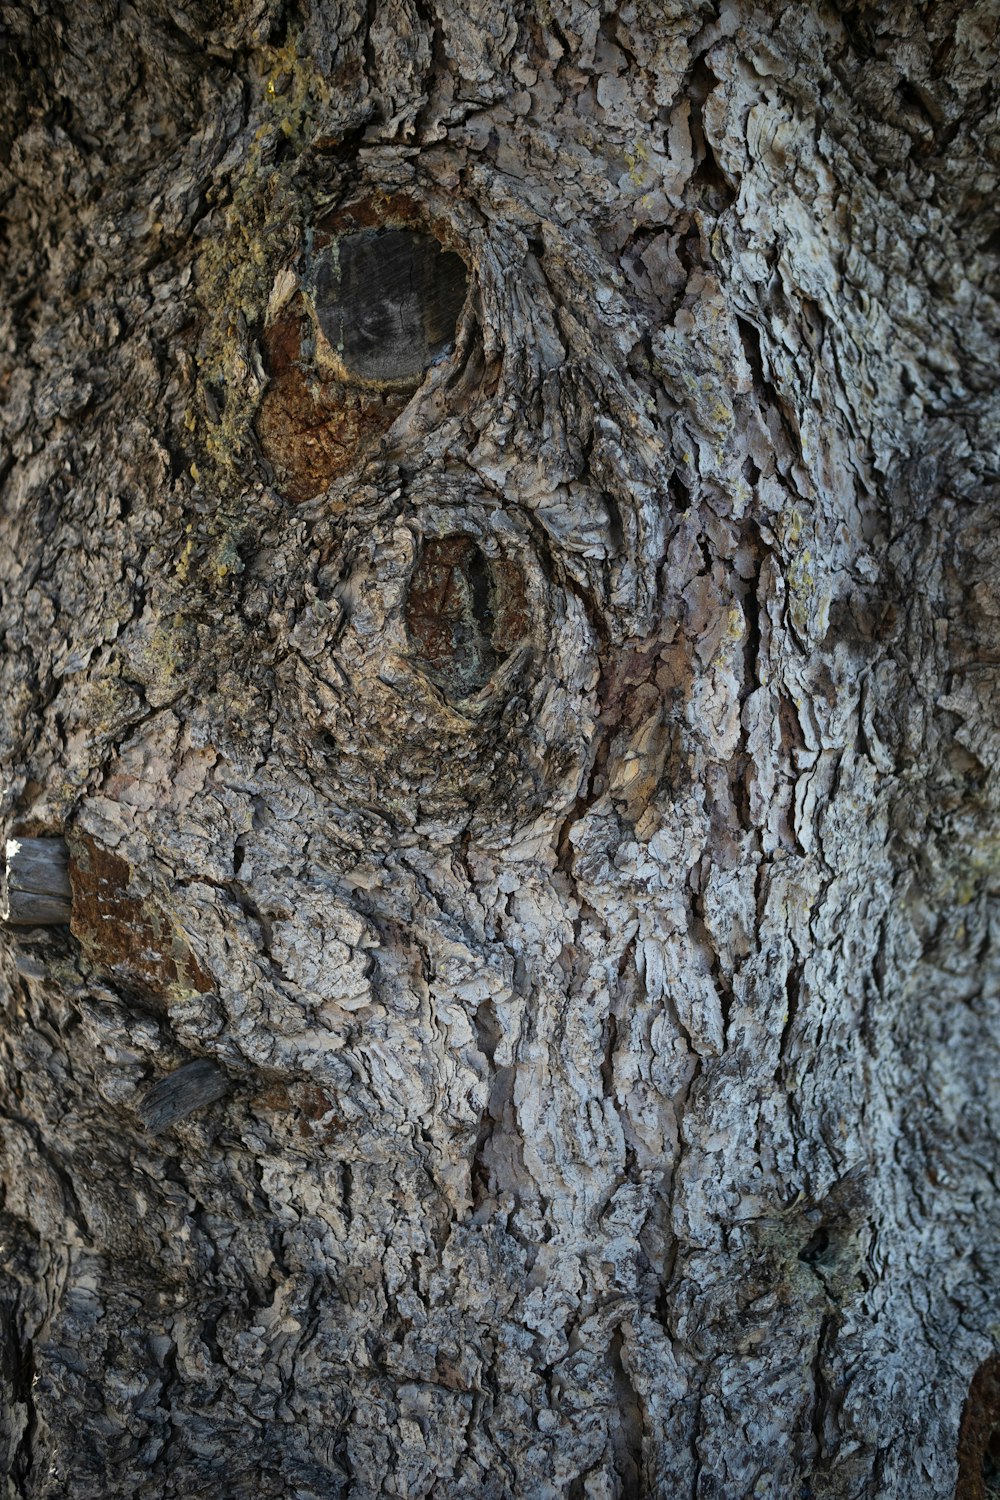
<point>979,1436</point>
<point>463,613</point>
<point>708,172</point>
<point>388,301</point>
<point>991,1462</point>
<point>679,493</point>
<point>816,1246</point>
<point>918,98</point>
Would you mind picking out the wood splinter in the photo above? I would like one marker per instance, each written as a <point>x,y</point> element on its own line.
<point>187,1089</point>
<point>37,888</point>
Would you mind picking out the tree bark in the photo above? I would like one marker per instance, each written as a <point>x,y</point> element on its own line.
<point>501,599</point>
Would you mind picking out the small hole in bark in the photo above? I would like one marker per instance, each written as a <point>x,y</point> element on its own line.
<point>388,301</point>
<point>679,493</point>
<point>708,173</point>
<point>918,98</point>
<point>464,614</point>
<point>816,1247</point>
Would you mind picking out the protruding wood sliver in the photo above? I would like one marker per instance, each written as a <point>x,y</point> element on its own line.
<point>192,1087</point>
<point>37,888</point>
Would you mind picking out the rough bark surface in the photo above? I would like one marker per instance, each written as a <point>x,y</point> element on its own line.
<point>554,804</point>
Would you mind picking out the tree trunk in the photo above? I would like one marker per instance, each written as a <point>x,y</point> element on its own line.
<point>501,599</point>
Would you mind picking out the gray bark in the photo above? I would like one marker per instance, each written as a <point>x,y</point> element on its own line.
<point>550,802</point>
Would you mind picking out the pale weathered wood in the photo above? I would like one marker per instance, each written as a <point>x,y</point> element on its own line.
<point>37,883</point>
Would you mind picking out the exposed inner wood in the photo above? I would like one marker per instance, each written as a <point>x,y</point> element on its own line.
<point>345,358</point>
<point>128,936</point>
<point>979,1436</point>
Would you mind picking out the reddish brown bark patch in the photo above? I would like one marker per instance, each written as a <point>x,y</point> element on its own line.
<point>644,685</point>
<point>313,428</point>
<point>312,432</point>
<point>128,935</point>
<point>311,1112</point>
<point>370,212</point>
<point>979,1436</point>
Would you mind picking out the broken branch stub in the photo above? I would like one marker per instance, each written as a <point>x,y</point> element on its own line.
<point>387,302</point>
<point>349,348</point>
<point>37,883</point>
<point>192,1087</point>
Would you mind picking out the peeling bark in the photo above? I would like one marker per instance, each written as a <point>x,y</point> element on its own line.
<point>530,790</point>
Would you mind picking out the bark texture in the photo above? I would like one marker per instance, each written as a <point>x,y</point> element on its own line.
<point>550,800</point>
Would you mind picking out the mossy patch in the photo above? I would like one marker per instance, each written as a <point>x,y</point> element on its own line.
<point>262,223</point>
